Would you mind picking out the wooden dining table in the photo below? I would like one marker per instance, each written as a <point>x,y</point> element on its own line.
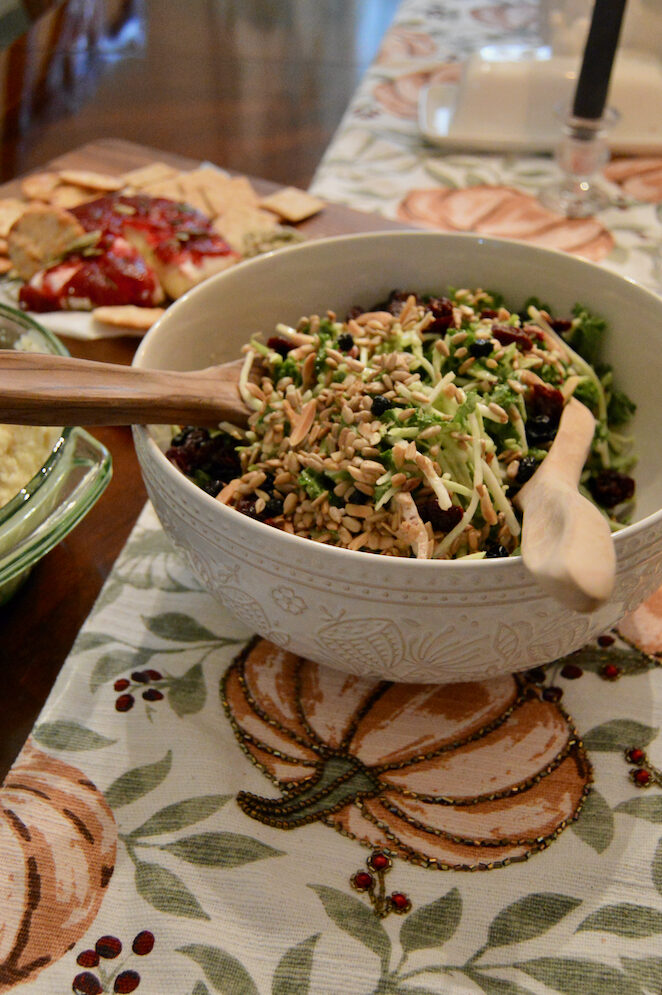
<point>115,85</point>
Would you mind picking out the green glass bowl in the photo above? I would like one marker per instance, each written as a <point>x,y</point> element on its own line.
<point>63,490</point>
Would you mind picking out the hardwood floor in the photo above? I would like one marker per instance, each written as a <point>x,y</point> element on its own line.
<point>255,85</point>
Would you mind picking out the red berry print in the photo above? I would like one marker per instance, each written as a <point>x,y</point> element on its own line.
<point>140,677</point>
<point>552,694</point>
<point>154,675</point>
<point>126,981</point>
<point>108,947</point>
<point>571,672</point>
<point>605,640</point>
<point>124,703</point>
<point>122,684</point>
<point>362,881</point>
<point>143,943</point>
<point>87,958</point>
<point>86,983</point>
<point>152,694</point>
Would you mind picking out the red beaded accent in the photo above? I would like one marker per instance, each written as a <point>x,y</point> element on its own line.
<point>642,777</point>
<point>610,672</point>
<point>636,755</point>
<point>379,861</point>
<point>362,881</point>
<point>399,902</point>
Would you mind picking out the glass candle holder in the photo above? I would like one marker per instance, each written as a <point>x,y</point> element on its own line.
<point>581,154</point>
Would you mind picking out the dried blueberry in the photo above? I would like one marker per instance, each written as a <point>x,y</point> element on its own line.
<point>380,404</point>
<point>280,345</point>
<point>540,429</point>
<point>494,550</point>
<point>481,347</point>
<point>527,467</point>
<point>345,341</point>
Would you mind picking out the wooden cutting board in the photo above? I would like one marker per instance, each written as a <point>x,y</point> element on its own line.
<point>116,156</point>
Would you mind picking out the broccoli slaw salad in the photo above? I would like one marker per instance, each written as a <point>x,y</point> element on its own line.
<point>407,429</point>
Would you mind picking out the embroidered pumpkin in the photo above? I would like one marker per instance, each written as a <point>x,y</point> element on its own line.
<point>640,178</point>
<point>643,626</point>
<point>466,776</point>
<point>400,96</point>
<point>57,854</point>
<point>505,212</point>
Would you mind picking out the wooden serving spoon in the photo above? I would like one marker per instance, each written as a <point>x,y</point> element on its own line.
<point>41,389</point>
<point>566,540</point>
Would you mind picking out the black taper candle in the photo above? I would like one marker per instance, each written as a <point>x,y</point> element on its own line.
<point>599,52</point>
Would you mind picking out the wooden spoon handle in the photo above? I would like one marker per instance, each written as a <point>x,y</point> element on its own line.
<point>566,540</point>
<point>41,389</point>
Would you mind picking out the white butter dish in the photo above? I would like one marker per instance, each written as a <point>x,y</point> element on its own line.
<point>509,99</point>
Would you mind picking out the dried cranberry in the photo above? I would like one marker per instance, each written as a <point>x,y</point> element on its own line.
<point>380,404</point>
<point>609,488</point>
<point>441,519</point>
<point>442,311</point>
<point>345,341</point>
<point>280,345</point>
<point>560,325</point>
<point>543,399</point>
<point>481,347</point>
<point>246,506</point>
<point>489,312</point>
<point>507,334</point>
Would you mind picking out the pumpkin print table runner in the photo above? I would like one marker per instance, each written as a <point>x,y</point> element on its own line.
<point>197,811</point>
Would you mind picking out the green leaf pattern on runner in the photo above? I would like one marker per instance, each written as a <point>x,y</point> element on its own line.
<point>166,892</point>
<point>293,971</point>
<point>433,924</point>
<point>529,917</point>
<point>595,825</point>
<point>187,694</point>
<point>220,849</point>
<point>618,735</point>
<point>139,781</point>
<point>64,734</point>
<point>624,919</point>
<point>180,814</point>
<point>579,977</point>
<point>354,918</point>
<point>648,807</point>
<point>224,972</point>
<point>180,628</point>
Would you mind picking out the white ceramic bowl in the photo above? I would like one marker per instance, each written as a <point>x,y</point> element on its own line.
<point>400,619</point>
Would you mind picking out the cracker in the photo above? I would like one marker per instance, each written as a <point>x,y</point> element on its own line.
<point>292,204</point>
<point>143,176</point>
<point>91,180</point>
<point>169,187</point>
<point>192,193</point>
<point>69,195</point>
<point>39,186</point>
<point>240,220</point>
<point>42,234</point>
<point>127,316</point>
<point>11,208</point>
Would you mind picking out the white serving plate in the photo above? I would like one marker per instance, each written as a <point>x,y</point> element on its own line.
<point>510,98</point>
